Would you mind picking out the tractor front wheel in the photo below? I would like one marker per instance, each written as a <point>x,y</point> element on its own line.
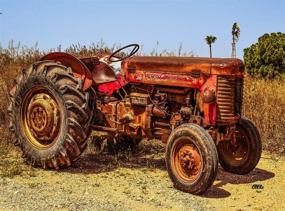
<point>242,156</point>
<point>191,159</point>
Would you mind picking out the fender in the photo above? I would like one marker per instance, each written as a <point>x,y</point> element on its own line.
<point>79,69</point>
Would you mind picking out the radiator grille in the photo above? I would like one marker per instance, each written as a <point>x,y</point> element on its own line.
<point>229,99</point>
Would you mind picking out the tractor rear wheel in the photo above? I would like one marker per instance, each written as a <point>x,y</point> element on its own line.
<point>50,115</point>
<point>191,159</point>
<point>242,156</point>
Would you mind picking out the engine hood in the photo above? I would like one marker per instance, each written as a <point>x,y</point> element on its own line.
<point>218,66</point>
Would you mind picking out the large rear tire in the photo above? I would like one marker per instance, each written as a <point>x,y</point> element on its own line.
<point>243,156</point>
<point>50,115</point>
<point>191,159</point>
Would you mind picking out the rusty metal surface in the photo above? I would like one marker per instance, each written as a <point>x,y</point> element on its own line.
<point>40,117</point>
<point>43,117</point>
<point>179,71</point>
<point>193,65</point>
<point>228,101</point>
<point>236,152</point>
<point>209,109</point>
<point>167,79</point>
<point>79,69</point>
<point>218,83</point>
<point>109,111</point>
<point>139,99</point>
<point>187,160</point>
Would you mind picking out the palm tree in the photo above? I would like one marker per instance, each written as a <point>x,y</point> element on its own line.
<point>210,40</point>
<point>235,36</point>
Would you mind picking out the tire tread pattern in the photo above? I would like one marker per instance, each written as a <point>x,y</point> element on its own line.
<point>78,112</point>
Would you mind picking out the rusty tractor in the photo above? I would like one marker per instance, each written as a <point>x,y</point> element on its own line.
<point>192,104</point>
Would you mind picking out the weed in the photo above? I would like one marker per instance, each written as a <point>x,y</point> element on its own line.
<point>10,168</point>
<point>264,104</point>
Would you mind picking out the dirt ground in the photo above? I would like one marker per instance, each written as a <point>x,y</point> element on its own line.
<point>137,181</point>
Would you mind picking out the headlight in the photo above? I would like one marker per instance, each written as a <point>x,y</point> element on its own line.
<point>209,96</point>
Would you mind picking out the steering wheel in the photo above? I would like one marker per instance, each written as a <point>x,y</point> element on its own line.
<point>114,58</point>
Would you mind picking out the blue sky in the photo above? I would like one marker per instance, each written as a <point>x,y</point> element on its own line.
<point>54,22</point>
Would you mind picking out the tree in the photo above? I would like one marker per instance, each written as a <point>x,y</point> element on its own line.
<point>210,40</point>
<point>235,36</point>
<point>266,58</point>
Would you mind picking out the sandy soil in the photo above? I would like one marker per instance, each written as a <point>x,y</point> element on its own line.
<point>139,182</point>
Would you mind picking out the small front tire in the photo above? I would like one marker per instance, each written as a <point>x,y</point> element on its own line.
<point>191,159</point>
<point>243,156</point>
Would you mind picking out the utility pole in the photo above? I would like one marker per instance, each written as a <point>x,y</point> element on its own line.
<point>235,37</point>
<point>0,28</point>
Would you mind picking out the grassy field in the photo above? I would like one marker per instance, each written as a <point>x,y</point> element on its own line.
<point>264,100</point>
<point>264,103</point>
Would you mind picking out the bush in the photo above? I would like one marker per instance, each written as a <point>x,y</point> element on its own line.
<point>266,58</point>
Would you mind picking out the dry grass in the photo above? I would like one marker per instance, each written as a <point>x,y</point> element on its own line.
<point>264,103</point>
<point>264,100</point>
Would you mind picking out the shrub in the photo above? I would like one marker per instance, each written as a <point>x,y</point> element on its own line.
<point>266,58</point>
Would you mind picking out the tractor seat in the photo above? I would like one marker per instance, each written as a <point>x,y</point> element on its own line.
<point>102,73</point>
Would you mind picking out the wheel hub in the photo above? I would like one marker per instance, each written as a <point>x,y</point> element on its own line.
<point>189,162</point>
<point>235,154</point>
<point>238,150</point>
<point>43,117</point>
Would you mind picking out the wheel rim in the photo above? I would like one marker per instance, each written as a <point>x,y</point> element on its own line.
<point>187,160</point>
<point>236,154</point>
<point>40,117</point>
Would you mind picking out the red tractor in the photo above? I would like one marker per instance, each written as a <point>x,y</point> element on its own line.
<point>192,104</point>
